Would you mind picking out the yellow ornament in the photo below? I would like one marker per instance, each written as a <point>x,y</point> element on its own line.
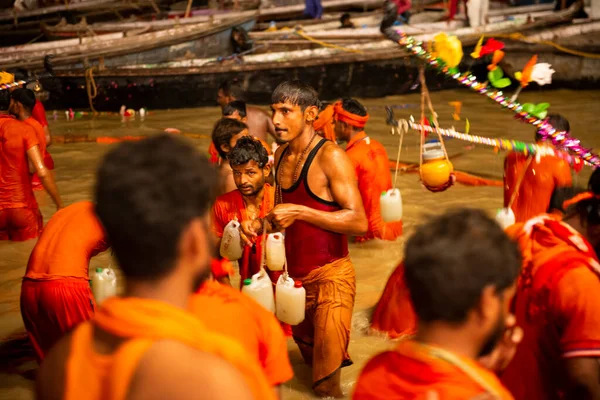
<point>477,52</point>
<point>448,48</point>
<point>6,77</point>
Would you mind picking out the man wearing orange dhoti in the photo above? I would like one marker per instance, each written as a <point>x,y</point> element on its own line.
<point>462,311</point>
<point>145,344</point>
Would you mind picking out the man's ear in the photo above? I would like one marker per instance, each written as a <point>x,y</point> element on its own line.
<point>267,170</point>
<point>311,113</point>
<point>225,148</point>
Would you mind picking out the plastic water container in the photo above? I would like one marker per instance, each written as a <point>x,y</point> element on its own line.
<point>104,284</point>
<point>291,300</point>
<point>231,243</point>
<point>275,252</point>
<point>391,205</point>
<point>435,170</point>
<point>505,217</point>
<point>260,288</point>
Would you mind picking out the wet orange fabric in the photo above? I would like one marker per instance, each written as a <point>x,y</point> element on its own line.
<point>15,185</point>
<point>20,224</point>
<point>39,113</point>
<point>324,334</point>
<point>413,369</point>
<point>370,162</point>
<point>556,304</point>
<point>143,322</point>
<point>39,133</point>
<point>230,206</point>
<point>325,123</point>
<point>50,309</point>
<point>581,196</point>
<point>394,313</point>
<point>540,180</point>
<point>70,239</point>
<point>226,310</point>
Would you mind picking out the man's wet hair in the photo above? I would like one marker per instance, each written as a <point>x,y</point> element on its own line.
<point>296,93</point>
<point>450,260</point>
<point>558,122</point>
<point>147,193</point>
<point>233,88</point>
<point>24,96</point>
<point>354,107</point>
<point>223,131</point>
<point>232,107</point>
<point>4,100</point>
<point>248,149</point>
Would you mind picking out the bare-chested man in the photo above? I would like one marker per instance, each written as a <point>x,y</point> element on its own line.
<point>259,123</point>
<point>318,204</point>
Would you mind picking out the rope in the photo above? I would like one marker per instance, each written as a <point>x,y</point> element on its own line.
<point>91,88</point>
<point>303,35</point>
<point>401,131</point>
<point>519,37</point>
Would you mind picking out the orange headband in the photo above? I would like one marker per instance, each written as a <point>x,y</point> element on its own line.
<point>580,197</point>
<point>349,118</point>
<point>325,117</point>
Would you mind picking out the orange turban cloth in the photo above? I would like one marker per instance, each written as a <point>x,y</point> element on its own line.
<point>324,123</point>
<point>580,197</point>
<point>349,118</point>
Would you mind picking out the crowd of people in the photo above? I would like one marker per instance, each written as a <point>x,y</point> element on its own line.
<point>479,312</point>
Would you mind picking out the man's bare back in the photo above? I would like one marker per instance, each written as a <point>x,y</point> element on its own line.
<point>259,123</point>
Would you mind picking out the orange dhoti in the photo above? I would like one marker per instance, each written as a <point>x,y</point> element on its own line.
<point>394,313</point>
<point>51,308</point>
<point>324,334</point>
<point>20,224</point>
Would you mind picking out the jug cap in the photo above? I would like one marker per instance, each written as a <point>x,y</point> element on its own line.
<point>247,282</point>
<point>98,270</point>
<point>297,284</point>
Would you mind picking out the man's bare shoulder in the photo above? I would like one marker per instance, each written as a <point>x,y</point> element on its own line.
<point>170,369</point>
<point>332,154</point>
<point>256,112</point>
<point>52,373</point>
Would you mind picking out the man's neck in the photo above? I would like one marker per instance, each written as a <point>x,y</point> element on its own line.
<point>256,199</point>
<point>354,134</point>
<point>169,290</point>
<point>23,116</point>
<point>300,143</point>
<point>448,337</point>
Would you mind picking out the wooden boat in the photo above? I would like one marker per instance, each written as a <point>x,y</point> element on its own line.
<point>378,68</point>
<point>177,43</point>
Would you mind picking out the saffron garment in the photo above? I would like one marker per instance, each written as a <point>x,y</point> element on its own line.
<point>413,370</point>
<point>231,206</point>
<point>538,183</point>
<point>319,259</point>
<point>325,123</point>
<point>394,313</point>
<point>37,126</point>
<point>55,294</point>
<point>556,304</point>
<point>226,310</point>
<point>141,323</point>
<point>20,218</point>
<point>370,161</point>
<point>39,113</point>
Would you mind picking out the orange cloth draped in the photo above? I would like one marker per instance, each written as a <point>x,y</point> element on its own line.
<point>394,313</point>
<point>461,177</point>
<point>325,123</point>
<point>556,305</point>
<point>39,113</point>
<point>226,310</point>
<point>143,322</point>
<point>580,197</point>
<point>370,162</point>
<point>354,120</point>
<point>412,370</point>
<point>324,334</point>
<point>537,186</point>
<point>230,206</point>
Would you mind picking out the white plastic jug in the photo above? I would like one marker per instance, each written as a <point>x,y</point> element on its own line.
<point>505,217</point>
<point>104,284</point>
<point>391,205</point>
<point>231,242</point>
<point>260,288</point>
<point>275,252</point>
<point>291,300</point>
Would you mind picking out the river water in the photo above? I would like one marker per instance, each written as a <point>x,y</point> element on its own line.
<point>374,261</point>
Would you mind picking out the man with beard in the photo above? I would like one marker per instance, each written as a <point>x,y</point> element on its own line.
<point>253,198</point>
<point>318,204</point>
<point>460,269</point>
<point>145,344</point>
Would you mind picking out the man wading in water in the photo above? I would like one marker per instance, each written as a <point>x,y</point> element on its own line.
<point>318,204</point>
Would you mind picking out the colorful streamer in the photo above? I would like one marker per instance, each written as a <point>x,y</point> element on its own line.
<point>561,139</point>
<point>4,86</point>
<point>502,144</point>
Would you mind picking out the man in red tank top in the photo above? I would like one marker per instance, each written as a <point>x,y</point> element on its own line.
<point>317,204</point>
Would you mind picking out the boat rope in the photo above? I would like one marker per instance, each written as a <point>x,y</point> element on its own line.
<point>519,37</point>
<point>303,35</point>
<point>92,89</point>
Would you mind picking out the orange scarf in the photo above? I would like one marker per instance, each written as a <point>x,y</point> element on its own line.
<point>349,118</point>
<point>145,321</point>
<point>324,123</point>
<point>580,197</point>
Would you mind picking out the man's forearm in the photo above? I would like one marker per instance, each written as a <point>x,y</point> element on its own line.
<point>347,222</point>
<point>50,186</point>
